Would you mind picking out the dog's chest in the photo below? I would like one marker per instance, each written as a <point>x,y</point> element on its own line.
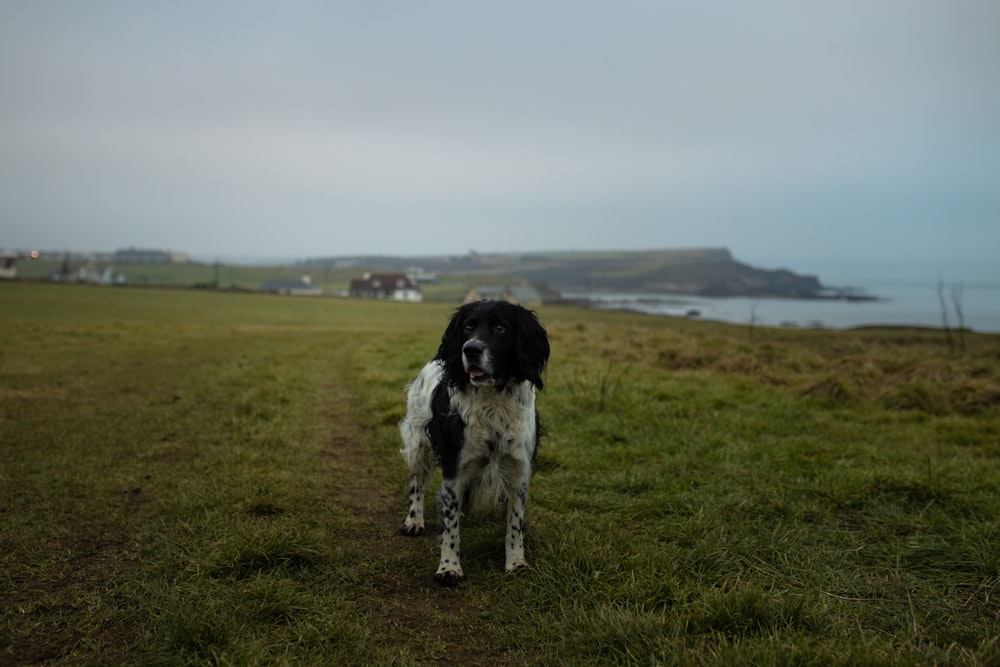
<point>497,426</point>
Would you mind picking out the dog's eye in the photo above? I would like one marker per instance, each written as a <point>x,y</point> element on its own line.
<point>467,328</point>
<point>499,328</point>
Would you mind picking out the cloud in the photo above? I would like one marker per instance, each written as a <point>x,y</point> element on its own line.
<point>308,125</point>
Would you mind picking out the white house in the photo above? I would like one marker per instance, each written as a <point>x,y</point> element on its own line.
<point>395,286</point>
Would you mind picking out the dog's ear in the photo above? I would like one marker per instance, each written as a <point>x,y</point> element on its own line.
<point>532,345</point>
<point>451,339</point>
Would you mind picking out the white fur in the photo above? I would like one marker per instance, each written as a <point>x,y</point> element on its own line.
<point>499,441</point>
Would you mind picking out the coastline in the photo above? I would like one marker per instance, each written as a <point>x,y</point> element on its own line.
<point>907,305</point>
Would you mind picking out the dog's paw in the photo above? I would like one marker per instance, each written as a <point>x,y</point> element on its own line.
<point>516,566</point>
<point>449,577</point>
<point>412,530</point>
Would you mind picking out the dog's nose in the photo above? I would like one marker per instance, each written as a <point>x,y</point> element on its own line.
<point>473,349</point>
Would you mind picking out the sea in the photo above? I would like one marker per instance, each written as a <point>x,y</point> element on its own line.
<point>892,304</point>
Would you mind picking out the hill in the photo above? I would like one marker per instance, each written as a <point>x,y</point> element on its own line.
<point>699,271</point>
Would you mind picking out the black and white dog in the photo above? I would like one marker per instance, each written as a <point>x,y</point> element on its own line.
<point>472,410</point>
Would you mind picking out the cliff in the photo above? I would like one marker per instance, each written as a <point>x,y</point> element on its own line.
<point>695,271</point>
<point>709,272</point>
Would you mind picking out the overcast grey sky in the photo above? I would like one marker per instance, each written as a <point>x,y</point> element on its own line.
<point>798,134</point>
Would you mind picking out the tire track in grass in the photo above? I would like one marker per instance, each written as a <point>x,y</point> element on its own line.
<point>427,622</point>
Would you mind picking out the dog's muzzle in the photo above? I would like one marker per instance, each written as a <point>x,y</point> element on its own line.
<point>477,363</point>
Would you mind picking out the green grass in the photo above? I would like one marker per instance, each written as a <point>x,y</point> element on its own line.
<point>198,477</point>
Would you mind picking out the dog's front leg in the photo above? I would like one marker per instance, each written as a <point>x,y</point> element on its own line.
<point>449,572</point>
<point>514,546</point>
<point>417,453</point>
<point>413,524</point>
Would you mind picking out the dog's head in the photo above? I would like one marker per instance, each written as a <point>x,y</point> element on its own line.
<point>492,343</point>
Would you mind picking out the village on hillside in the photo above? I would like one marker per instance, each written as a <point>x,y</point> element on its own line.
<point>114,268</point>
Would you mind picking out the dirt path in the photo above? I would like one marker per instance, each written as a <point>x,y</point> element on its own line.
<point>433,622</point>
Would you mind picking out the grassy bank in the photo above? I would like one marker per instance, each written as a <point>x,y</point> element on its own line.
<point>201,477</point>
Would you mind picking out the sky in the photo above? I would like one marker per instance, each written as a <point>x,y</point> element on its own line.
<point>816,136</point>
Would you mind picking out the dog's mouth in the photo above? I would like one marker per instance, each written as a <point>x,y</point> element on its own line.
<point>478,376</point>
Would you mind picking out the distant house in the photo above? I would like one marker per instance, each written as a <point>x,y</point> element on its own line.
<point>420,276</point>
<point>89,273</point>
<point>8,263</point>
<point>8,267</point>
<point>522,294</point>
<point>146,256</point>
<point>292,286</point>
<point>394,286</point>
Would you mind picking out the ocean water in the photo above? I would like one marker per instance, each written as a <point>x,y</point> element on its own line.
<point>914,304</point>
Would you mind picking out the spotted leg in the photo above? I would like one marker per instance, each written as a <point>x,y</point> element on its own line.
<point>413,524</point>
<point>449,572</point>
<point>515,529</point>
<point>417,452</point>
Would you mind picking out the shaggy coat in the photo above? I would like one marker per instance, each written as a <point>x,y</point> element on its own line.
<point>471,410</point>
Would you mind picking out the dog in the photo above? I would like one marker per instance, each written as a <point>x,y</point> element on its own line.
<point>471,410</point>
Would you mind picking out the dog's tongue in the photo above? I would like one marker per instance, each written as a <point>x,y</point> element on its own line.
<point>476,372</point>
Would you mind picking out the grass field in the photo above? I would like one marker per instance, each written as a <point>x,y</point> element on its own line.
<point>193,477</point>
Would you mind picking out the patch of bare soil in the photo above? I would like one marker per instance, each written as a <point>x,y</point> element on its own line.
<point>92,559</point>
<point>431,623</point>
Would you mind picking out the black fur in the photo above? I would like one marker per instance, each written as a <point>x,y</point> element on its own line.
<point>511,331</point>
<point>446,431</point>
